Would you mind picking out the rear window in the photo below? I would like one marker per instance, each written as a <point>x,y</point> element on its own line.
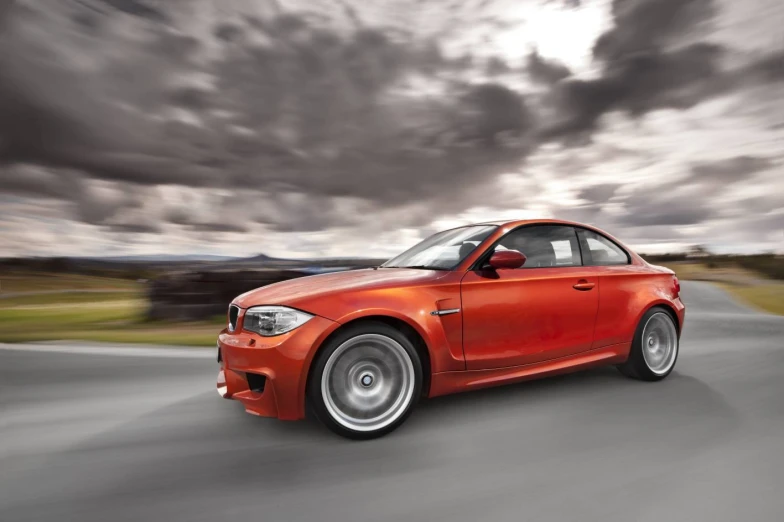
<point>601,251</point>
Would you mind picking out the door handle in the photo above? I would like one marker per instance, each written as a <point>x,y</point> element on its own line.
<point>584,285</point>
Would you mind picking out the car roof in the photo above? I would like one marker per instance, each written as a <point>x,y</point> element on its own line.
<point>516,222</point>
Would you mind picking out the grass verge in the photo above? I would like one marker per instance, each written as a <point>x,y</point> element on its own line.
<point>22,281</point>
<point>120,321</point>
<point>98,309</point>
<point>172,334</point>
<point>769,297</point>
<point>746,286</point>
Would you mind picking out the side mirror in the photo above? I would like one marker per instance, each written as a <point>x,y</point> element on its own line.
<point>507,259</point>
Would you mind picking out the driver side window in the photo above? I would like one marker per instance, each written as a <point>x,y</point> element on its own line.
<point>544,245</point>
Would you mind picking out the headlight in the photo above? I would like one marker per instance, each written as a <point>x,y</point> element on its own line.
<point>273,320</point>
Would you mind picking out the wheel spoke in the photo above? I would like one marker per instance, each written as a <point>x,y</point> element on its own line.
<point>368,382</point>
<point>659,343</point>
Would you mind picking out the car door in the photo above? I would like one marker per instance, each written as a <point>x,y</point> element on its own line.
<point>544,310</point>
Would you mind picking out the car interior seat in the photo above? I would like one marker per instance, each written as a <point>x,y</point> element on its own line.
<point>539,253</point>
<point>465,249</point>
<point>600,257</point>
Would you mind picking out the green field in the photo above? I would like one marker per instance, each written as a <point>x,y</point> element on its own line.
<point>749,287</point>
<point>41,307</point>
<point>769,298</point>
<point>51,282</point>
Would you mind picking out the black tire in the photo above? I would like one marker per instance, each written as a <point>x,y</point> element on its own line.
<point>636,366</point>
<point>319,404</point>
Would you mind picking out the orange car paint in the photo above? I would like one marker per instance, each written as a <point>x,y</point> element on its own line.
<point>524,316</point>
<point>453,382</point>
<point>565,318</point>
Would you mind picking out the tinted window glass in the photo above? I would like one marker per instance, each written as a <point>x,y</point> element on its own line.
<point>544,245</point>
<point>600,251</point>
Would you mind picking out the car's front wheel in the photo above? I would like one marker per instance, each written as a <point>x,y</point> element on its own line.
<point>654,348</point>
<point>365,381</point>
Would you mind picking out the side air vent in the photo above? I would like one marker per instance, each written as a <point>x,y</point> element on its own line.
<point>234,312</point>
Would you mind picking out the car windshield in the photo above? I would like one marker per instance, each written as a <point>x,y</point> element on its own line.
<point>444,250</point>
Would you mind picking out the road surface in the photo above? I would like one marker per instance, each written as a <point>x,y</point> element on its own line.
<point>99,437</point>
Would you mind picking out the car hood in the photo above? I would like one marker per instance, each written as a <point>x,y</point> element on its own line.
<point>301,291</point>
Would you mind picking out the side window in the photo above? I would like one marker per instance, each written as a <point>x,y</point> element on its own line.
<point>544,245</point>
<point>600,251</point>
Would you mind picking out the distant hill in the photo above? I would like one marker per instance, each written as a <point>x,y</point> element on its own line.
<point>146,266</point>
<point>159,258</point>
<point>261,258</point>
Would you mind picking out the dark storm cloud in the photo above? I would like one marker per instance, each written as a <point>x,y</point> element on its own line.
<point>33,182</point>
<point>223,227</point>
<point>643,26</point>
<point>723,172</point>
<point>179,216</point>
<point>282,105</point>
<point>598,193</point>
<point>650,206</point>
<point>496,66</point>
<point>650,60</point>
<point>766,203</point>
<point>766,69</point>
<point>669,80</point>
<point>293,212</point>
<point>100,208</point>
<point>336,130</point>
<point>227,31</point>
<point>135,228</point>
<point>545,71</point>
<point>137,8</point>
<point>84,200</point>
<point>192,98</point>
<point>692,200</point>
<point>640,83</point>
<point>309,125</point>
<point>54,116</point>
<point>494,110</point>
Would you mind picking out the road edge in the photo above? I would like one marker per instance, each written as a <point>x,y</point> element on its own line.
<point>113,349</point>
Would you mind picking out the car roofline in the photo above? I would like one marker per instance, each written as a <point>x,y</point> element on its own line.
<point>518,222</point>
<point>511,224</point>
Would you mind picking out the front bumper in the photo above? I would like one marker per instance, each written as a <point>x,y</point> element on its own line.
<point>268,375</point>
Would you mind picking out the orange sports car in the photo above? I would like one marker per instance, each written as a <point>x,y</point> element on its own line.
<point>470,307</point>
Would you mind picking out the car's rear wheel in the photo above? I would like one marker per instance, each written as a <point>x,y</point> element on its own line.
<point>365,381</point>
<point>654,348</point>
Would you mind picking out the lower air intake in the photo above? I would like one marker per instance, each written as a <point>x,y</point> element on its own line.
<point>256,382</point>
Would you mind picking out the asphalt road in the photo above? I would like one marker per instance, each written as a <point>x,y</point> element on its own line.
<point>88,437</point>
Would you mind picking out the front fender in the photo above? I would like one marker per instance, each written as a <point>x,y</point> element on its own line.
<point>412,305</point>
<point>442,335</point>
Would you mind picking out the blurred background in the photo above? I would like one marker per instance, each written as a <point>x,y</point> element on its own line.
<point>160,157</point>
<point>160,153</point>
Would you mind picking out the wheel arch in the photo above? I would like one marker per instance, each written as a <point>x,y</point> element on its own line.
<point>667,308</point>
<point>405,327</point>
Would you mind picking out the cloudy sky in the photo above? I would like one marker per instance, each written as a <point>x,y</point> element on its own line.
<point>357,127</point>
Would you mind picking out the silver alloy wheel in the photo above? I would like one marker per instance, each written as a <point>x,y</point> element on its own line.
<point>659,343</point>
<point>368,382</point>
